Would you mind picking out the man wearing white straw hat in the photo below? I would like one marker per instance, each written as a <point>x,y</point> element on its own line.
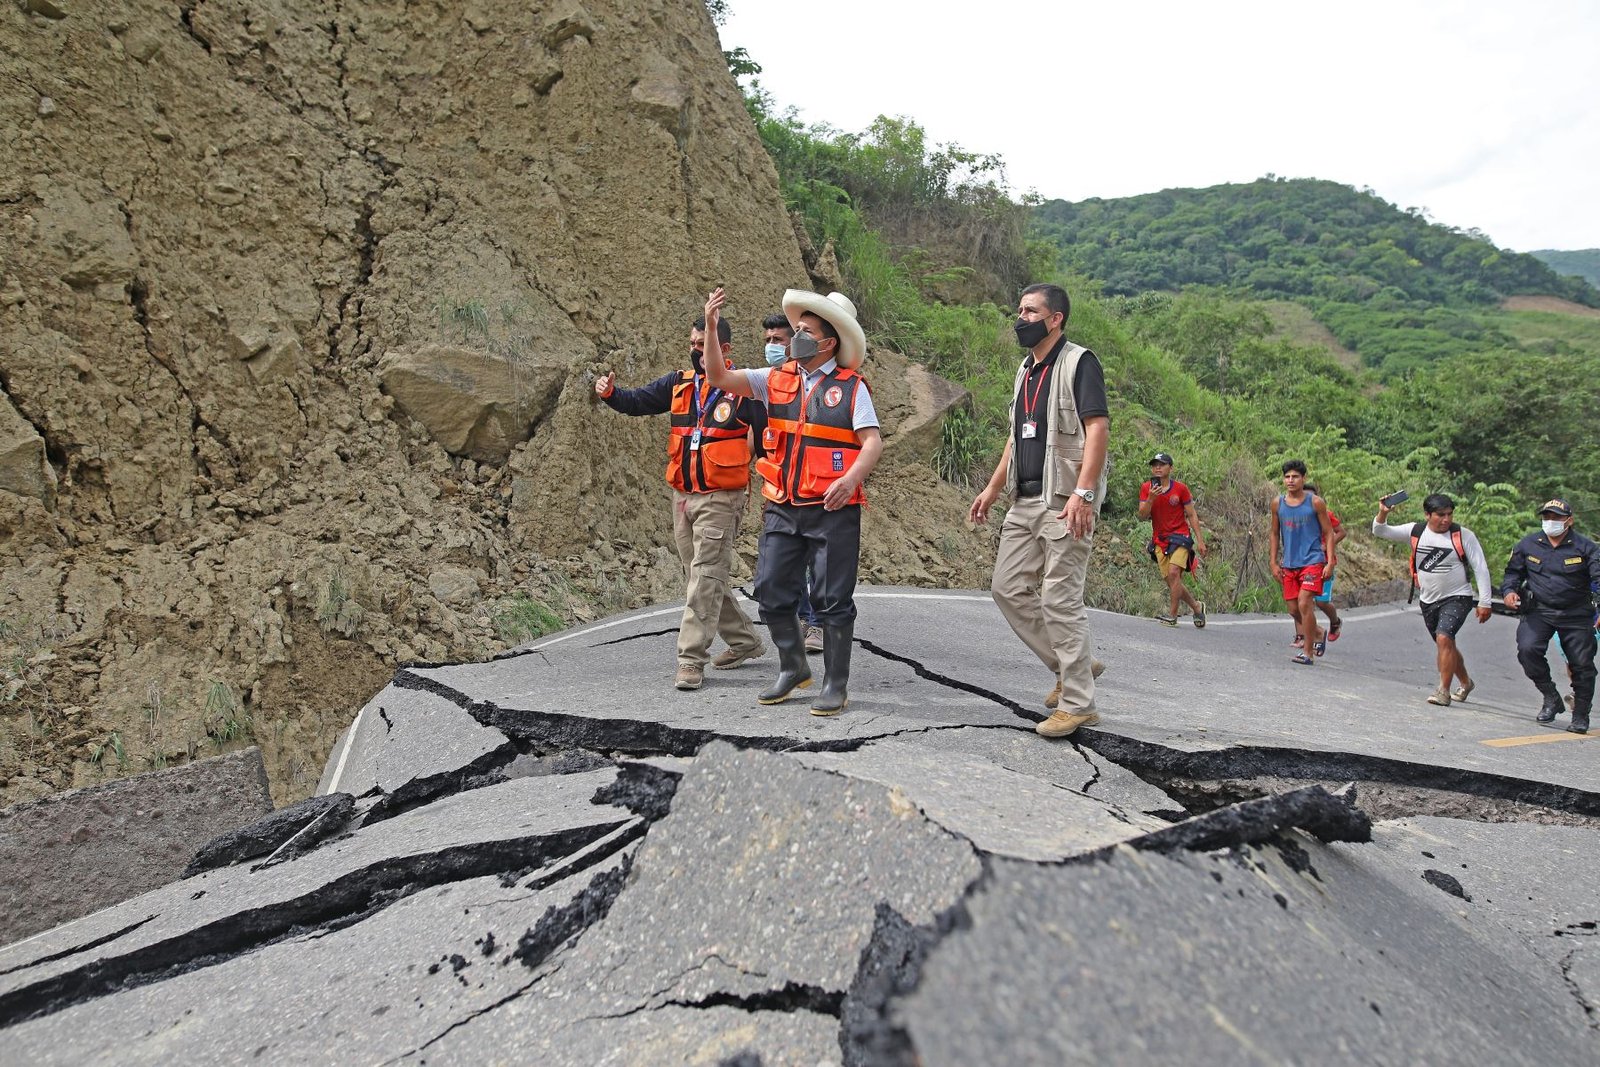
<point>822,441</point>
<point>1054,467</point>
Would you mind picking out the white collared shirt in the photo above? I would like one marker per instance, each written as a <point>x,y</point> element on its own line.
<point>863,414</point>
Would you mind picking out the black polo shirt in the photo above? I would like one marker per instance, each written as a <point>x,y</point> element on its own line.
<point>1032,402</point>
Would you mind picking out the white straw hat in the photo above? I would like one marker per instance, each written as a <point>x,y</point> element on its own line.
<point>839,312</point>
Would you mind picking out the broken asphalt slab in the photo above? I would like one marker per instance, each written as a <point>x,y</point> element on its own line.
<point>523,823</point>
<point>371,992</point>
<point>1227,957</point>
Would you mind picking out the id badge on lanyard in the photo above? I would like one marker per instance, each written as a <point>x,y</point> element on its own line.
<point>694,440</point>
<point>1030,429</point>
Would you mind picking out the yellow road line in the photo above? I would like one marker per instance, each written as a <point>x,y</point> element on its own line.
<point>1536,739</point>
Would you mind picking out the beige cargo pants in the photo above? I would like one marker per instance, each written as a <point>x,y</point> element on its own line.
<point>705,526</point>
<point>1039,575</point>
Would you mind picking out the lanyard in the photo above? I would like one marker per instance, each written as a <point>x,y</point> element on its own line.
<point>1033,400</point>
<point>699,409</point>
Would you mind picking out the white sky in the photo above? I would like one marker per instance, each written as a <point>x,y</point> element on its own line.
<point>1485,114</point>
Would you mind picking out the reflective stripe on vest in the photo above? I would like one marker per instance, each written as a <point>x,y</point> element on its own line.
<point>811,433</point>
<point>722,460</point>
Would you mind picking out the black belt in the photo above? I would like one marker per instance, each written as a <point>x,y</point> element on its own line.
<point>1030,488</point>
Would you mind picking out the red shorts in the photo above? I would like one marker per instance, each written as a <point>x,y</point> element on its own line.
<point>1298,578</point>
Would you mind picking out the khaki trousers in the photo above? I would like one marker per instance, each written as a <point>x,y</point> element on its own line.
<point>1038,583</point>
<point>705,526</point>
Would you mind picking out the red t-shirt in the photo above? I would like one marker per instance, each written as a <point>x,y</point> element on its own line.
<point>1166,513</point>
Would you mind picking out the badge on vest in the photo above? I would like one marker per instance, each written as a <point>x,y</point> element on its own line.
<point>1030,430</point>
<point>694,440</point>
<point>724,410</point>
<point>1570,560</point>
<point>838,461</point>
<point>832,397</point>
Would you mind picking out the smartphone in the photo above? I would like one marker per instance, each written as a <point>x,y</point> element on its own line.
<point>1395,498</point>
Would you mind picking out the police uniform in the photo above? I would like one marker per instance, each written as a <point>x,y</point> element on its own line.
<point>708,467</point>
<point>1557,584</point>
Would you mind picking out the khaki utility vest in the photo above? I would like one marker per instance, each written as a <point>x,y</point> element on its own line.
<point>1064,436</point>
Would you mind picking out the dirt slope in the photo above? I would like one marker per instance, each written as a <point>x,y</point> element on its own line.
<point>232,229</point>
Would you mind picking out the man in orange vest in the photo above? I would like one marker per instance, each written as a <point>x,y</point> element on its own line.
<point>708,467</point>
<point>822,441</point>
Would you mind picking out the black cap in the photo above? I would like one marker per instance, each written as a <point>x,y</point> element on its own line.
<point>1160,457</point>
<point>1557,507</point>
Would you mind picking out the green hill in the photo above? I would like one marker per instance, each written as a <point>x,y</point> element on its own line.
<point>1401,291</point>
<point>1583,262</point>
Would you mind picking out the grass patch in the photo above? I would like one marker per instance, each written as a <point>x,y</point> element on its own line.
<point>520,619</point>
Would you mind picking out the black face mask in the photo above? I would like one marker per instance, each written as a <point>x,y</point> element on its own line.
<point>1031,333</point>
<point>698,360</point>
<point>803,347</point>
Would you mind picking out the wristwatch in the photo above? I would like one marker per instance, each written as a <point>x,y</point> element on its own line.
<point>1087,494</point>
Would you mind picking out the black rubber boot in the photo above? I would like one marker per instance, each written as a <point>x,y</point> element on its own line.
<point>836,670</point>
<point>793,672</point>
<point>1552,706</point>
<point>1580,720</point>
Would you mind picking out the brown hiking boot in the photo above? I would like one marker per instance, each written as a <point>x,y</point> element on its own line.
<point>1054,698</point>
<point>814,639</point>
<point>732,657</point>
<point>1096,668</point>
<point>689,676</point>
<point>1060,723</point>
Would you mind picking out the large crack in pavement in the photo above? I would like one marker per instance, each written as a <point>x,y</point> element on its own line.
<point>341,902</point>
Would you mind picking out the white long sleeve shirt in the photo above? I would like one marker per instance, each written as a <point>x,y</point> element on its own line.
<point>1440,572</point>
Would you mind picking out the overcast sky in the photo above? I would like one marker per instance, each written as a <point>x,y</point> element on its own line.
<point>1485,114</point>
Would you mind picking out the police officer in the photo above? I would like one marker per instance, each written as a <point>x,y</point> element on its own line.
<point>822,441</point>
<point>708,467</point>
<point>1551,579</point>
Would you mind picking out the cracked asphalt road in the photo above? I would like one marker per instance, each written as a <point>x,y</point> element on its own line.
<point>922,879</point>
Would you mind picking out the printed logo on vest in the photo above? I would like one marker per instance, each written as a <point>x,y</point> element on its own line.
<point>838,461</point>
<point>723,411</point>
<point>832,397</point>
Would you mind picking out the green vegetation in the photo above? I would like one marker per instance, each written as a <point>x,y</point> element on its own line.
<point>1583,262</point>
<point>1450,393</point>
<point>1399,289</point>
<point>521,618</point>
<point>225,720</point>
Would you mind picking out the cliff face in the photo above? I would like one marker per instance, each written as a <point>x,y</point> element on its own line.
<point>299,314</point>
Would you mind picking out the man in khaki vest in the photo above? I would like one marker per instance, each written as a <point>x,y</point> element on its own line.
<point>1054,469</point>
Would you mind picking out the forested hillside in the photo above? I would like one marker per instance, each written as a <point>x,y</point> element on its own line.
<point>1181,293</point>
<point>1398,289</point>
<point>1583,262</point>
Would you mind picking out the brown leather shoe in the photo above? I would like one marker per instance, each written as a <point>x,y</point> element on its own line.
<point>732,657</point>
<point>814,639</point>
<point>1060,723</point>
<point>1096,668</point>
<point>689,676</point>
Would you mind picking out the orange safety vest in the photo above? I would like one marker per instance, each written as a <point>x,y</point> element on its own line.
<point>709,449</point>
<point>810,440</point>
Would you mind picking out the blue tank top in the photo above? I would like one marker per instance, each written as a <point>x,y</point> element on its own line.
<point>1301,533</point>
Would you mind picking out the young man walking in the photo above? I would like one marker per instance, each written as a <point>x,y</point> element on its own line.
<point>1324,600</point>
<point>1302,551</point>
<point>822,442</point>
<point>1441,551</point>
<point>1054,468</point>
<point>708,467</point>
<point>1175,533</point>
<point>1552,579</point>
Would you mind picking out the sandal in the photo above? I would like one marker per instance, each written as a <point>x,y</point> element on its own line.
<point>1333,630</point>
<point>1320,647</point>
<point>1299,641</point>
<point>1303,659</point>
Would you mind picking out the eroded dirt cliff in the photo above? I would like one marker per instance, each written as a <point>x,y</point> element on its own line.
<point>300,307</point>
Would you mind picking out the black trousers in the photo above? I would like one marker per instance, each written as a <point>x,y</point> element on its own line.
<point>1577,641</point>
<point>829,542</point>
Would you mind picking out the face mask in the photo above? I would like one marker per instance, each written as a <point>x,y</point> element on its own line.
<point>1554,527</point>
<point>803,347</point>
<point>1030,333</point>
<point>698,359</point>
<point>776,354</point>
